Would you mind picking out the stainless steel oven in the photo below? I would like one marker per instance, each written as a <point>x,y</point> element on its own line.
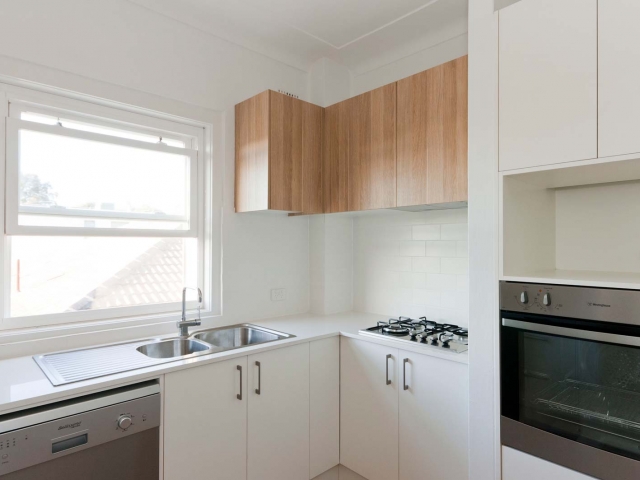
<point>113,434</point>
<point>570,376</point>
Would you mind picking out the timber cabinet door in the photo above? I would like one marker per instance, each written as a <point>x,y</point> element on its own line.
<point>432,135</point>
<point>336,158</point>
<point>278,154</point>
<point>372,149</point>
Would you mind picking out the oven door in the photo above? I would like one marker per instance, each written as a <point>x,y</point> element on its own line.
<point>570,392</point>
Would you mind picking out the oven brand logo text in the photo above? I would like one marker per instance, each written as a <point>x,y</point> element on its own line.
<point>70,425</point>
<point>604,305</point>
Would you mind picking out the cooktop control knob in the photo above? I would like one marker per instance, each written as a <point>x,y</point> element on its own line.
<point>524,298</point>
<point>124,422</point>
<point>546,300</point>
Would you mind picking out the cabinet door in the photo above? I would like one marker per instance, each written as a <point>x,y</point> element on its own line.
<point>372,149</point>
<point>205,423</point>
<point>548,82</point>
<point>369,409</point>
<point>324,422</point>
<point>312,129</point>
<point>432,135</point>
<point>618,77</point>
<point>279,414</point>
<point>285,152</point>
<point>517,465</point>
<point>336,158</point>
<point>434,420</point>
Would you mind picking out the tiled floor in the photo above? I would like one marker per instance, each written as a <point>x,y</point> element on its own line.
<point>339,473</point>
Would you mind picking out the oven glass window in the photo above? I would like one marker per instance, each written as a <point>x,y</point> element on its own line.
<point>583,390</point>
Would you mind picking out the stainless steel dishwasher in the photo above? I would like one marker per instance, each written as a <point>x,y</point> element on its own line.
<point>104,436</point>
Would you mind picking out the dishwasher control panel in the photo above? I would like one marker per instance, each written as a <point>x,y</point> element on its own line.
<point>46,441</point>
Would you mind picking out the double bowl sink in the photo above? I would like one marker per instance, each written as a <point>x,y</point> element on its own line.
<point>210,341</point>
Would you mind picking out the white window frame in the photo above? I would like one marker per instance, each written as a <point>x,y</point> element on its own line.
<point>12,194</point>
<point>198,136</point>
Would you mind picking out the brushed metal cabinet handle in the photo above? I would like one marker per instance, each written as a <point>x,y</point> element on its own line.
<point>404,374</point>
<point>259,380</point>
<point>388,381</point>
<point>239,396</point>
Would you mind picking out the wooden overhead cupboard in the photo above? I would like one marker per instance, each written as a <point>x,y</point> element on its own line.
<point>432,136</point>
<point>400,145</point>
<point>278,154</point>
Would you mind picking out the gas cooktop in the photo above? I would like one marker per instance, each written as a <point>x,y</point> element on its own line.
<point>422,331</point>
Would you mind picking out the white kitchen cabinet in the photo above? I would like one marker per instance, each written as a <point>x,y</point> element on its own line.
<point>548,82</point>
<point>278,414</point>
<point>324,408</point>
<point>434,405</point>
<point>618,77</point>
<point>205,422</point>
<point>517,465</point>
<point>369,409</point>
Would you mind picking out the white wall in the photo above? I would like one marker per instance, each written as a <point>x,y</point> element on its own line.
<point>120,51</point>
<point>407,66</point>
<point>412,264</point>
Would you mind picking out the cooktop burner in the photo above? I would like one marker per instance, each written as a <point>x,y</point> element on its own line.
<point>423,331</point>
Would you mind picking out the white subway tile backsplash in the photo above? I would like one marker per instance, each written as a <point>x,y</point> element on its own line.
<point>455,231</point>
<point>412,249</point>
<point>458,266</point>
<point>426,264</point>
<point>426,232</point>
<point>423,259</point>
<point>440,281</point>
<point>440,249</point>
<point>462,249</point>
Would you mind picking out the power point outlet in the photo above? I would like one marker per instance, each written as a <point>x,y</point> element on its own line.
<point>278,294</point>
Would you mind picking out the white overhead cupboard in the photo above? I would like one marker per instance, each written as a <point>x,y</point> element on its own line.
<point>568,77</point>
<point>548,82</point>
<point>404,415</point>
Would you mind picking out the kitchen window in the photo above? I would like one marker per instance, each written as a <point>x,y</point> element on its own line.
<point>104,212</point>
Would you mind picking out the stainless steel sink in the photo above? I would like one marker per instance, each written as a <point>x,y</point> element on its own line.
<point>176,347</point>
<point>237,336</point>
<point>75,365</point>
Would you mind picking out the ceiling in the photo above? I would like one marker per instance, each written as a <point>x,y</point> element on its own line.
<point>360,34</point>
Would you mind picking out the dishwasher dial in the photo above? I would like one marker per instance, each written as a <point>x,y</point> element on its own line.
<point>124,422</point>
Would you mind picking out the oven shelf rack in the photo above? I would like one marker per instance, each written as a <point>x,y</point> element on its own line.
<point>612,408</point>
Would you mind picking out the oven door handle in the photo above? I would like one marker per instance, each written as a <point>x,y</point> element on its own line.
<point>572,332</point>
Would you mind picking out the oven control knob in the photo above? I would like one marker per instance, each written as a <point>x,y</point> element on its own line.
<point>546,300</point>
<point>524,298</point>
<point>124,422</point>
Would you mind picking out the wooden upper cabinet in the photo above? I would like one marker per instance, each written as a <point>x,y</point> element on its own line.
<point>278,154</point>
<point>372,149</point>
<point>432,135</point>
<point>336,158</point>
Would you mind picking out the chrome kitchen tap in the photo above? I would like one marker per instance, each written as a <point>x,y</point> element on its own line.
<point>184,324</point>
